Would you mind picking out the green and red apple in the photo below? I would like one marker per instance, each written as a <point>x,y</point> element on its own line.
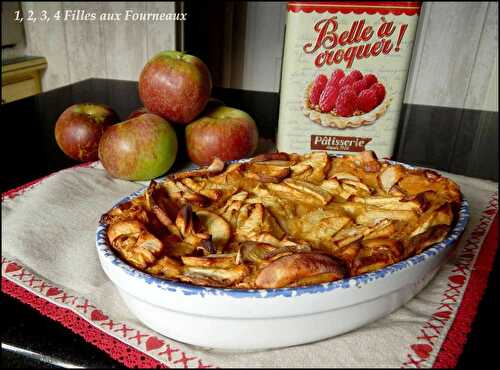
<point>223,132</point>
<point>80,127</point>
<point>141,148</point>
<point>175,86</point>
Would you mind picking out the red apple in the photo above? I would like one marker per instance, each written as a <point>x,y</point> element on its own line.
<point>80,127</point>
<point>137,113</point>
<point>175,86</point>
<point>141,148</point>
<point>224,132</point>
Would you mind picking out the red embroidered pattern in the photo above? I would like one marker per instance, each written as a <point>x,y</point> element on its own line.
<point>76,322</point>
<point>453,345</point>
<point>455,339</point>
<point>113,347</point>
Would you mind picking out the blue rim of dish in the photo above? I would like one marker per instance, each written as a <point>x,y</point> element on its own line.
<point>357,281</point>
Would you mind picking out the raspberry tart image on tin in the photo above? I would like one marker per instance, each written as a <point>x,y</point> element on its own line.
<point>345,100</point>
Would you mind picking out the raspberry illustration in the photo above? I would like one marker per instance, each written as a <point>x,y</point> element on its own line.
<point>379,90</point>
<point>317,88</point>
<point>346,101</point>
<point>344,81</point>
<point>328,97</point>
<point>370,79</point>
<point>351,78</point>
<point>337,75</point>
<point>345,94</point>
<point>360,85</point>
<point>367,100</point>
<point>355,75</point>
<point>346,88</point>
<point>333,82</point>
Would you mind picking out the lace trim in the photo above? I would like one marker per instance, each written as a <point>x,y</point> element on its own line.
<point>456,337</point>
<point>113,347</point>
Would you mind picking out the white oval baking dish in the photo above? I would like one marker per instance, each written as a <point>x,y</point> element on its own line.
<point>245,320</point>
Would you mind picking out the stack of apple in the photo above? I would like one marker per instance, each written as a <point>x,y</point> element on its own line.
<point>175,88</point>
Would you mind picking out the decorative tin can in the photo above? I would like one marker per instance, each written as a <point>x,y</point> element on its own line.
<point>344,73</point>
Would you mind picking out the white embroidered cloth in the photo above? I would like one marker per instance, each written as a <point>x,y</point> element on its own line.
<point>48,248</point>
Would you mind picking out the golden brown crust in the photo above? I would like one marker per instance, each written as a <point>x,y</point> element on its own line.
<point>282,220</point>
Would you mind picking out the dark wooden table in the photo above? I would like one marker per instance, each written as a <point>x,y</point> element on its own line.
<point>455,140</point>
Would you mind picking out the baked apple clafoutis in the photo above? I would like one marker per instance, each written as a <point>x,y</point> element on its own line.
<point>283,220</point>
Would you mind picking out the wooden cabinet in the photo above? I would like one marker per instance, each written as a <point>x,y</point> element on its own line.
<point>21,78</point>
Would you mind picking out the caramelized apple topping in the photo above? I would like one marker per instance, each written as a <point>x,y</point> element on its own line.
<point>282,220</point>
